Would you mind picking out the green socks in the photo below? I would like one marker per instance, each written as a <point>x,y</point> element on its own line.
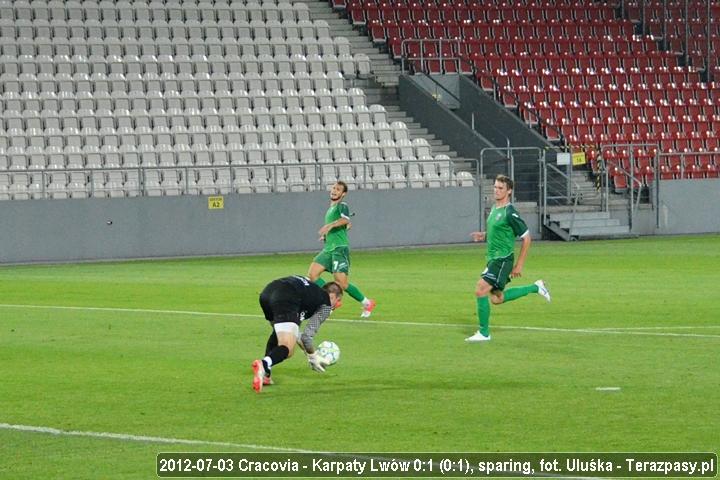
<point>516,292</point>
<point>352,290</point>
<point>483,313</point>
<point>483,304</point>
<point>355,292</point>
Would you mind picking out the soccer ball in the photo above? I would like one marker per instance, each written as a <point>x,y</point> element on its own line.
<point>329,351</point>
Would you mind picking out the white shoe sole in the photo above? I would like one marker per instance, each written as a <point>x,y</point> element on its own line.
<point>478,340</point>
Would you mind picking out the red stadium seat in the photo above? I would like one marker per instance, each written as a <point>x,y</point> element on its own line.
<point>711,171</point>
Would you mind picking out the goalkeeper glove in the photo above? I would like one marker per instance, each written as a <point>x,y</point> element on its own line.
<point>317,362</point>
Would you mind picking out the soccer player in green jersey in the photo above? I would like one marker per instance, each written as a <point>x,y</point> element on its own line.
<point>335,256</point>
<point>503,226</point>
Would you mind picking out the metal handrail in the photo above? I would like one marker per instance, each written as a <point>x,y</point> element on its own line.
<point>570,196</point>
<point>506,153</point>
<point>633,205</point>
<point>273,169</point>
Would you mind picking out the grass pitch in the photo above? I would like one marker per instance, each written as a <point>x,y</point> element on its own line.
<point>163,349</point>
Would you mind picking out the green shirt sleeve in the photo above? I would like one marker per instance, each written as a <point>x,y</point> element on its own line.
<point>344,210</point>
<point>516,223</point>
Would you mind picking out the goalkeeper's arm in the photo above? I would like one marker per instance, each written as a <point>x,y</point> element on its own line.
<point>311,328</point>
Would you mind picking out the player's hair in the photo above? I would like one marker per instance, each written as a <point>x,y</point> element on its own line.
<point>333,287</point>
<point>506,180</point>
<point>342,184</point>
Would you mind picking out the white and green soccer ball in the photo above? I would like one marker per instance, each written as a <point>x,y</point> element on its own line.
<point>329,351</point>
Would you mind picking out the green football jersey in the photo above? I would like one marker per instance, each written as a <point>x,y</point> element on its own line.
<point>503,226</point>
<point>337,237</point>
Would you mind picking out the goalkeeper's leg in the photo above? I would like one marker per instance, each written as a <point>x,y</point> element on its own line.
<point>286,334</point>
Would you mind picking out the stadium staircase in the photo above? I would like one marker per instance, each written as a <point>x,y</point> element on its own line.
<point>586,218</point>
<point>382,85</point>
<point>582,225</point>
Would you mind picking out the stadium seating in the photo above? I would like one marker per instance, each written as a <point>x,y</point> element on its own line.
<point>577,71</point>
<point>115,99</point>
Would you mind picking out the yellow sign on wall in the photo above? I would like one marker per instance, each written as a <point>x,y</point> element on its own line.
<point>578,158</point>
<point>216,203</point>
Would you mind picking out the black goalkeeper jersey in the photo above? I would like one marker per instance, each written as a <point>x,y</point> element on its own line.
<point>300,291</point>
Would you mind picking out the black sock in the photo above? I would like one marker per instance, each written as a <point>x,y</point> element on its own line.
<point>277,355</point>
<point>271,343</point>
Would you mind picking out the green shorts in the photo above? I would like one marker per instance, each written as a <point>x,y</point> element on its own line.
<point>337,260</point>
<point>497,272</point>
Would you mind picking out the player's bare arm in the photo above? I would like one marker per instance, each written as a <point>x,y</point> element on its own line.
<point>329,226</point>
<point>517,269</point>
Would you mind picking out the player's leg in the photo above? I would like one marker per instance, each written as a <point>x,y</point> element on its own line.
<point>354,292</point>
<point>341,272</point>
<point>282,310</point>
<point>489,287</point>
<point>321,263</point>
<point>272,342</point>
<point>497,297</point>
<point>482,304</point>
<point>314,272</point>
<point>538,287</point>
<point>287,335</point>
<point>518,292</point>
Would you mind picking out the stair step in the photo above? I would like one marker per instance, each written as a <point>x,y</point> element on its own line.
<point>385,69</point>
<point>389,81</point>
<point>323,16</point>
<point>600,222</point>
<point>380,92</point>
<point>600,231</point>
<point>556,217</point>
<point>346,29</point>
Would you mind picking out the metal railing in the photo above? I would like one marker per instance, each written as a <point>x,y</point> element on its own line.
<point>566,191</point>
<point>135,180</point>
<point>505,157</point>
<point>631,174</point>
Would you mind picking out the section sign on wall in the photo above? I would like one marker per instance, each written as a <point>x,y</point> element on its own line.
<point>216,203</point>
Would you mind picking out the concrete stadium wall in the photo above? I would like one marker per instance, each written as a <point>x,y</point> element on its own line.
<point>104,229</point>
<point>418,102</point>
<point>95,229</point>
<point>686,206</point>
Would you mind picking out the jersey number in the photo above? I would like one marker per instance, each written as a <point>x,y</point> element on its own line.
<point>335,265</point>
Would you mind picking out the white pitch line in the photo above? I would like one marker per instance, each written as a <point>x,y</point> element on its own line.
<point>143,438</point>
<point>600,330</point>
<point>687,327</point>
<point>182,441</point>
<point>130,310</point>
<point>610,332</point>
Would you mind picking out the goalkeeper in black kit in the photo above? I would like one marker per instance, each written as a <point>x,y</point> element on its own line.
<point>286,303</point>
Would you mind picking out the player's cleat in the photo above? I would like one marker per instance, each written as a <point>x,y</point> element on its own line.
<point>368,309</point>
<point>259,378</point>
<point>478,337</point>
<point>542,290</point>
<point>267,380</point>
